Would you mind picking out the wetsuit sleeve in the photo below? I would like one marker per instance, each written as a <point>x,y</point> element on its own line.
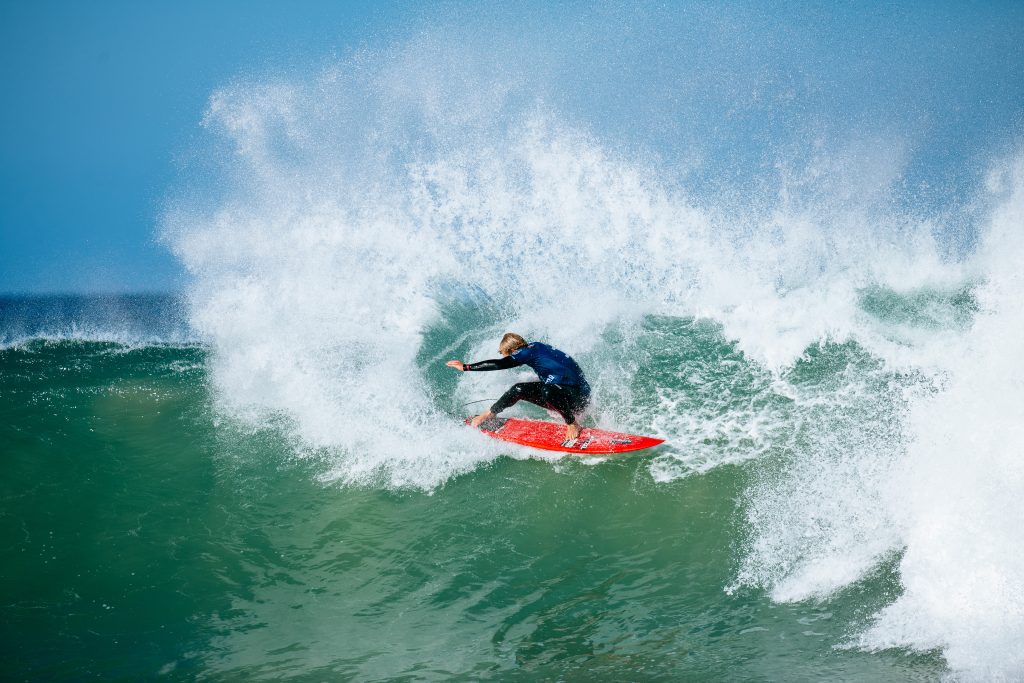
<point>493,364</point>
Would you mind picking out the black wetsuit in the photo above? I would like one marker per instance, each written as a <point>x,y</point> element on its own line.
<point>562,388</point>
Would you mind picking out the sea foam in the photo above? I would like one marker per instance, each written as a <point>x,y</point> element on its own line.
<point>392,196</point>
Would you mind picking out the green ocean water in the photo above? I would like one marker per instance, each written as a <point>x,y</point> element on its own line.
<point>146,535</point>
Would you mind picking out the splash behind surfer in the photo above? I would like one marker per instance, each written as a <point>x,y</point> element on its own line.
<point>562,386</point>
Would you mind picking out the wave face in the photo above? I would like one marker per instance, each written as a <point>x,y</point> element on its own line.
<point>755,253</point>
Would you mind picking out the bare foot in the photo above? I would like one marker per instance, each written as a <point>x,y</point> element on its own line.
<point>572,432</point>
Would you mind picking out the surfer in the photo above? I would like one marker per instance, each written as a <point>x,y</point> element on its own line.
<point>562,386</point>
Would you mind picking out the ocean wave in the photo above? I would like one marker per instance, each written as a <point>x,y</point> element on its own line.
<point>397,209</point>
<point>93,339</point>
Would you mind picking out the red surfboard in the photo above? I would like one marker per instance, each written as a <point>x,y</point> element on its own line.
<point>551,437</point>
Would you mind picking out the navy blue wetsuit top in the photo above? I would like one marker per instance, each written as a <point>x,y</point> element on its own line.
<point>550,364</point>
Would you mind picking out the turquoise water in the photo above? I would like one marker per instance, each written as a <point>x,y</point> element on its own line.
<point>144,536</point>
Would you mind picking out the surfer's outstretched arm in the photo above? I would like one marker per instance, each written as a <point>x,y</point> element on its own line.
<point>493,364</point>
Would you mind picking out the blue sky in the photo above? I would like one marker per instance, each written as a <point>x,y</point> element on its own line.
<point>100,97</point>
<point>103,100</point>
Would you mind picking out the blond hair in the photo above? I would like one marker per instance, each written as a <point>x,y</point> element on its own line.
<point>510,343</point>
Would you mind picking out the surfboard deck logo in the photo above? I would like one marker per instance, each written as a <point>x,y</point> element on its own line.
<point>550,436</point>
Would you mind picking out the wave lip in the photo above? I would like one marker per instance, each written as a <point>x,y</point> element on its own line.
<point>934,481</point>
<point>958,497</point>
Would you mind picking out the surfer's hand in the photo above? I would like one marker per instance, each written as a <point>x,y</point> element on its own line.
<point>475,422</point>
<point>457,364</point>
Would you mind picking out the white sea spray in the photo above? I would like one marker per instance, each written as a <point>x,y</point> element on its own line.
<point>362,206</point>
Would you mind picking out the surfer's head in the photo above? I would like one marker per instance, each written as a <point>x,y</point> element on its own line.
<point>510,343</point>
